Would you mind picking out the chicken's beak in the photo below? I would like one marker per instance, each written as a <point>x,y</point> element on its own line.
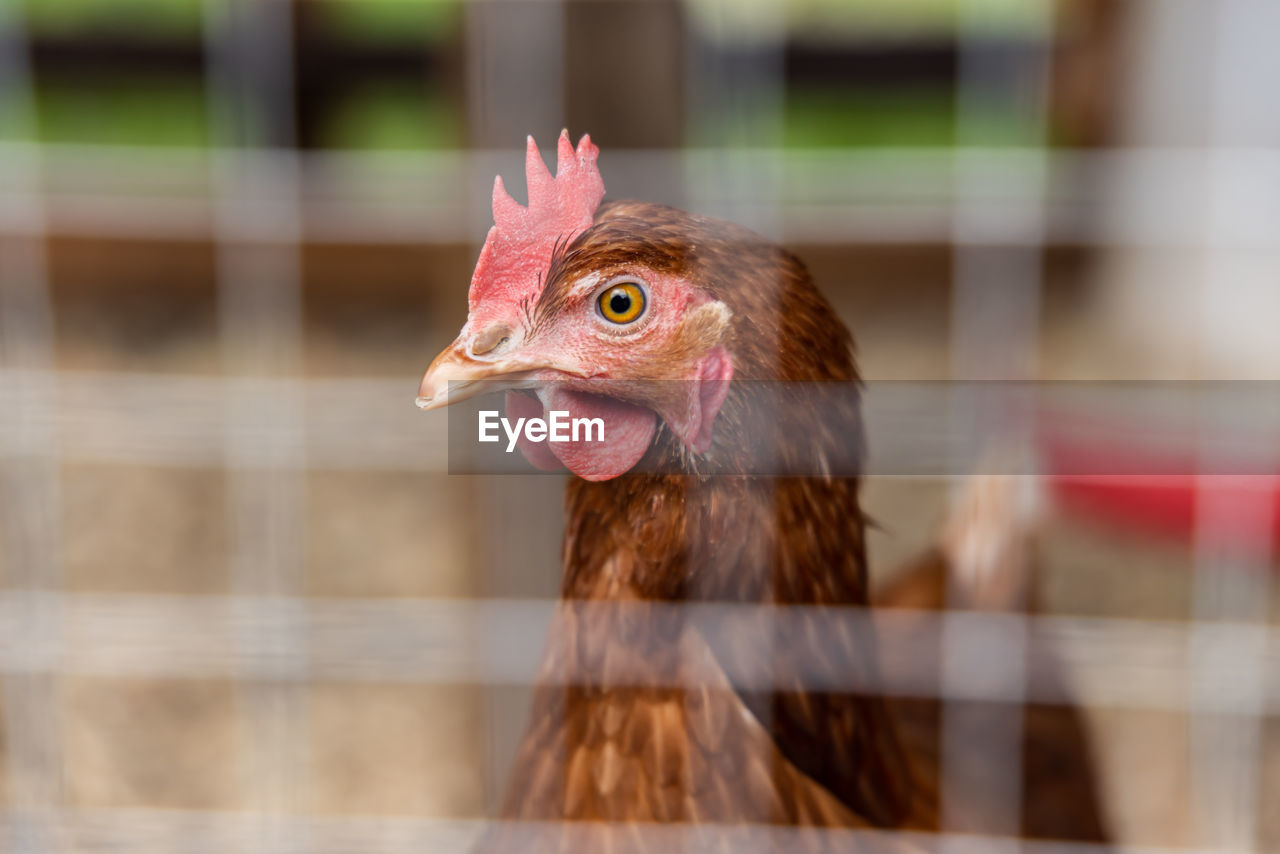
<point>455,376</point>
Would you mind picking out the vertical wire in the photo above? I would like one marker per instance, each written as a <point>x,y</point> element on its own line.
<point>1233,542</point>
<point>999,240</point>
<point>29,500</point>
<point>735,99</point>
<point>997,280</point>
<point>256,185</point>
<point>515,85</point>
<point>765,123</point>
<point>515,71</point>
<point>740,86</point>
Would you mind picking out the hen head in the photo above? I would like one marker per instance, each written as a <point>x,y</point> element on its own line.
<point>607,317</point>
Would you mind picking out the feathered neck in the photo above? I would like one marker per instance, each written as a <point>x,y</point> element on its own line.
<point>786,537</point>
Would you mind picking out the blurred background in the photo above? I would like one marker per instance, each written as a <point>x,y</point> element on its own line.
<point>244,607</point>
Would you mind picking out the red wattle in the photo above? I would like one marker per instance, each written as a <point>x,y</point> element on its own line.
<point>628,432</point>
<point>537,453</point>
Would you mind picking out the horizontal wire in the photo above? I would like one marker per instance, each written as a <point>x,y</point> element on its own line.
<point>185,420</point>
<point>1108,662</point>
<point>143,830</point>
<point>894,196</point>
<point>913,428</point>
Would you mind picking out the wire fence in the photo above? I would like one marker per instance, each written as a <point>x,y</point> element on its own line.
<point>266,428</point>
<point>1134,197</point>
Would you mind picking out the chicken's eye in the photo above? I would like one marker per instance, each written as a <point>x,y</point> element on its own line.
<point>622,303</point>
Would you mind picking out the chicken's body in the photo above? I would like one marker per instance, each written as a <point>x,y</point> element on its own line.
<point>646,717</point>
<point>719,754</point>
<point>984,560</point>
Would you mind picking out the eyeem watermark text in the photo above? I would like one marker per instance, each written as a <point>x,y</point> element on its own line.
<point>557,427</point>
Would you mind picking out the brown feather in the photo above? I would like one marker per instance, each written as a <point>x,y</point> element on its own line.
<point>631,750</point>
<point>1060,792</point>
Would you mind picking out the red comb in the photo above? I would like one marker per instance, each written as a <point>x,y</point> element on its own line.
<point>518,250</point>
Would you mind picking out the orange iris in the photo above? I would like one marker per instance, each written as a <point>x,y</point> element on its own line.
<point>622,303</point>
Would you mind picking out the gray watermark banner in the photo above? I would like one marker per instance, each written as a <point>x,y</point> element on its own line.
<point>916,428</point>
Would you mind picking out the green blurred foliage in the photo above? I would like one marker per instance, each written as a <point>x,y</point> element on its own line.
<point>372,21</point>
<point>917,18</point>
<point>914,117</point>
<point>386,22</point>
<point>409,114</point>
<point>392,115</point>
<point>831,116</point>
<point>840,117</point>
<point>753,21</point>
<point>122,110</point>
<point>142,19</point>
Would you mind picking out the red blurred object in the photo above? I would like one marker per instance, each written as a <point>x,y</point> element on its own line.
<point>1158,490</point>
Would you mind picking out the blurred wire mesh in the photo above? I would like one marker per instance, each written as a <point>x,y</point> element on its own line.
<point>244,608</point>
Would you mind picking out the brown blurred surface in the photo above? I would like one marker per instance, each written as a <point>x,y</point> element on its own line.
<point>150,743</point>
<point>394,750</point>
<point>389,534</point>
<point>136,529</point>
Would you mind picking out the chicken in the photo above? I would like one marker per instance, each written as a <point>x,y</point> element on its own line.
<point>984,561</point>
<point>688,338</point>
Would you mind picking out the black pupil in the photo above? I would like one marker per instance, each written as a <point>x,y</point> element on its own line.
<point>620,302</point>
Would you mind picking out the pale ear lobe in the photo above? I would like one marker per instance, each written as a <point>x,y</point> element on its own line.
<point>708,382</point>
<point>708,322</point>
<point>710,388</point>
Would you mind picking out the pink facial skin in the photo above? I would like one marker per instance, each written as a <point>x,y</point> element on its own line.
<point>518,249</point>
<point>578,361</point>
<point>625,374</point>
